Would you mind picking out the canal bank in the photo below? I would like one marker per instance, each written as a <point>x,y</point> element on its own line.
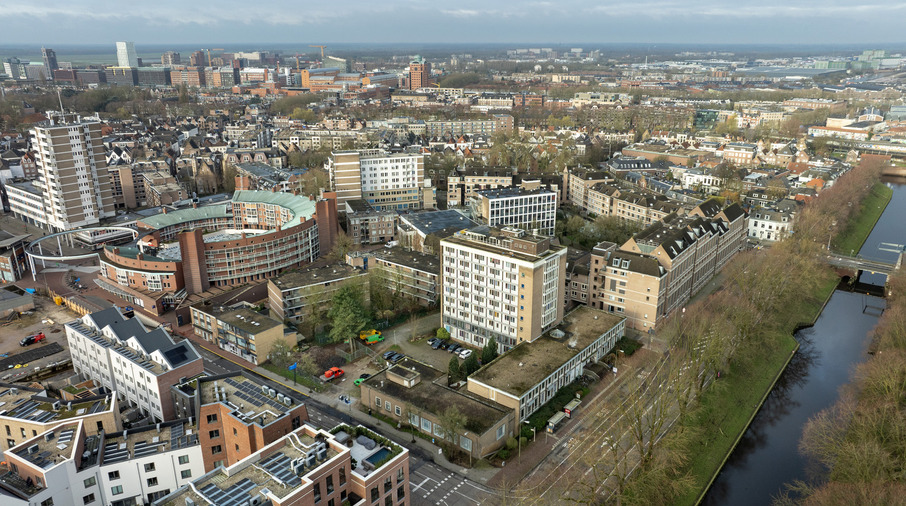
<point>767,457</point>
<point>741,396</point>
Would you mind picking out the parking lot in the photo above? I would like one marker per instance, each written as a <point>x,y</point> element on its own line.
<point>52,349</point>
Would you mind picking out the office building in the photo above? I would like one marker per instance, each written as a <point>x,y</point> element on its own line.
<point>306,467</point>
<point>238,415</point>
<point>49,56</point>
<point>170,58</point>
<point>13,263</point>
<point>71,466</point>
<point>121,76</point>
<point>140,366</point>
<point>419,73</point>
<point>72,174</point>
<point>125,54</point>
<point>384,180</point>
<point>501,283</point>
<point>534,211</point>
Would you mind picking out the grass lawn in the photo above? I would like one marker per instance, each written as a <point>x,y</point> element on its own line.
<point>858,229</point>
<point>734,399</point>
<point>311,383</point>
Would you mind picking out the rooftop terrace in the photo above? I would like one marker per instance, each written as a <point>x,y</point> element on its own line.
<point>252,402</point>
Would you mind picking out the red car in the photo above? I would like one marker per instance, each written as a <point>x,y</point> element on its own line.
<point>333,372</point>
<point>32,339</point>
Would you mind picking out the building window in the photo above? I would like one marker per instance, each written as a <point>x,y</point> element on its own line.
<point>317,492</point>
<point>152,482</point>
<point>117,490</point>
<point>88,499</point>
<point>426,425</point>
<point>212,418</point>
<point>397,410</point>
<point>501,431</point>
<point>149,467</point>
<point>329,485</point>
<point>377,401</point>
<point>387,405</point>
<point>186,473</point>
<point>342,475</point>
<point>214,434</point>
<point>113,475</point>
<point>400,492</point>
<point>465,443</point>
<point>90,482</point>
<point>47,502</point>
<point>375,494</point>
<point>216,449</point>
<point>183,459</point>
<point>235,432</point>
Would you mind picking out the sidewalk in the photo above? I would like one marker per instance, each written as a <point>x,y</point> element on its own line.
<point>535,454</point>
<point>328,398</point>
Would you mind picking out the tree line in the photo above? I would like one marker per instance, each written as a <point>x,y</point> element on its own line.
<point>649,436</point>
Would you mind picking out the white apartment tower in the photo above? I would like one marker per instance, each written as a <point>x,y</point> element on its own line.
<point>534,211</point>
<point>72,174</point>
<point>501,283</point>
<point>387,181</point>
<point>125,54</point>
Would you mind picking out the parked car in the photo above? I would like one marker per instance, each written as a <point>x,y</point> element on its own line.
<point>438,344</point>
<point>465,353</point>
<point>371,336</point>
<point>32,339</point>
<point>388,354</point>
<point>396,358</point>
<point>432,341</point>
<point>453,347</point>
<point>333,372</point>
<point>364,375</point>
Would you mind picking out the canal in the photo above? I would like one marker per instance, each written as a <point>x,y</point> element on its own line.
<point>767,456</point>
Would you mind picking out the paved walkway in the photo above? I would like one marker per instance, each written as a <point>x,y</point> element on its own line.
<point>328,398</point>
<point>535,454</point>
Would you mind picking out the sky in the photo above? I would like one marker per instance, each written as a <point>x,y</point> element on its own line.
<point>49,22</point>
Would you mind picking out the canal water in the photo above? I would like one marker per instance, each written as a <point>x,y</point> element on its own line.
<point>767,456</point>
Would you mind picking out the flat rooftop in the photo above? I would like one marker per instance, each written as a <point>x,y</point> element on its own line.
<point>270,470</point>
<point>148,440</point>
<point>521,368</point>
<point>316,273</point>
<point>432,395</point>
<point>25,405</point>
<point>246,397</point>
<point>434,221</point>
<point>50,448</point>
<point>412,259</point>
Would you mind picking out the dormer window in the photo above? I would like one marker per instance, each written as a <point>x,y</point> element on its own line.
<point>616,262</point>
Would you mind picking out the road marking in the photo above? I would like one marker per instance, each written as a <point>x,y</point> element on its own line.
<point>420,484</point>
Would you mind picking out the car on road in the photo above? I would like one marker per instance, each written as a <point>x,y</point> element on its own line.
<point>432,341</point>
<point>333,372</point>
<point>464,353</point>
<point>32,339</point>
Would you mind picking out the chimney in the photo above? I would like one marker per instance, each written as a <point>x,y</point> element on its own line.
<point>194,205</point>
<point>139,256</point>
<point>165,210</point>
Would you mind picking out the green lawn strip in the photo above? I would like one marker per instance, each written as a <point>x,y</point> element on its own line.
<point>311,383</point>
<point>857,231</point>
<point>735,399</point>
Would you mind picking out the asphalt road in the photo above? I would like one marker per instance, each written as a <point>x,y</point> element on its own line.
<point>429,483</point>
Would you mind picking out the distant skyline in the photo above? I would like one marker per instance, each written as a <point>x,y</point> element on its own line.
<point>810,22</point>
